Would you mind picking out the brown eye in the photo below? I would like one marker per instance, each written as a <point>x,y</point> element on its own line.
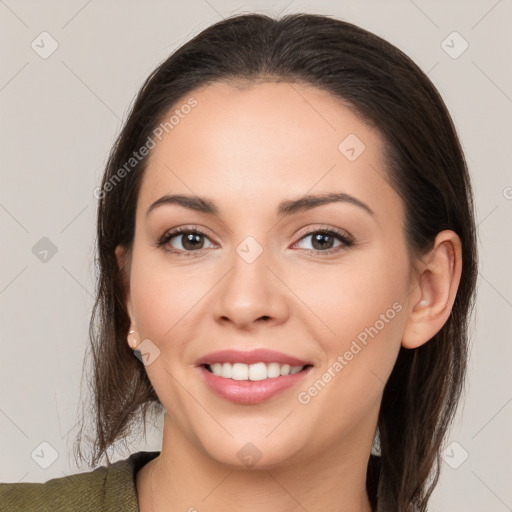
<point>190,241</point>
<point>326,241</point>
<point>184,241</point>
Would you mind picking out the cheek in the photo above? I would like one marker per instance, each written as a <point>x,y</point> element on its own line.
<point>164,296</point>
<point>165,301</point>
<point>357,359</point>
<point>366,289</point>
<point>361,305</point>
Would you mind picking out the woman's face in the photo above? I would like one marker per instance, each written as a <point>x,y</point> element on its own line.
<point>325,286</point>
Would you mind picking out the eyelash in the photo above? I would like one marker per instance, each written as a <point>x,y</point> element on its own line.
<point>342,237</point>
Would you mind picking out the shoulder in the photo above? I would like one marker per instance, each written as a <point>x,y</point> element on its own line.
<point>109,488</point>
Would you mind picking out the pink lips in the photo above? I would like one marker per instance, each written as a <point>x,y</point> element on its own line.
<point>245,391</point>
<point>254,356</point>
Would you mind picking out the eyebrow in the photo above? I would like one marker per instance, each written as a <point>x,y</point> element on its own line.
<point>285,208</point>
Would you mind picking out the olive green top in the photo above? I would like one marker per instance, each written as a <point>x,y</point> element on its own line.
<point>109,488</point>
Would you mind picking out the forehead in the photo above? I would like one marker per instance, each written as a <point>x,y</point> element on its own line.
<point>260,143</point>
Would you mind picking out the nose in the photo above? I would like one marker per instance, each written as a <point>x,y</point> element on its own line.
<point>251,294</point>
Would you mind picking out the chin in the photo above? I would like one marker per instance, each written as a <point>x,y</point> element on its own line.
<point>255,450</point>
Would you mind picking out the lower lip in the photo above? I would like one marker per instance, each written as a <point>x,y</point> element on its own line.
<point>248,391</point>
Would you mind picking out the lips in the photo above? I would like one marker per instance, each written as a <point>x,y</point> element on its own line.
<point>251,377</point>
<point>252,357</point>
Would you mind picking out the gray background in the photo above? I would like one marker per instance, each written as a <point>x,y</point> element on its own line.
<point>59,118</point>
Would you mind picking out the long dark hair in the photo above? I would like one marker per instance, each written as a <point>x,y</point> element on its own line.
<point>425,165</point>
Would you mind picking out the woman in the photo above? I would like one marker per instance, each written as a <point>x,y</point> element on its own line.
<point>286,241</point>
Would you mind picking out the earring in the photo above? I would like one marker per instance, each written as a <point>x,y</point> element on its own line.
<point>133,342</point>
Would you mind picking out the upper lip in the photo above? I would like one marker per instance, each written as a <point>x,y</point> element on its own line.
<point>260,355</point>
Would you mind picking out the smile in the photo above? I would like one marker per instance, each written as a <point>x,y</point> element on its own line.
<point>251,377</point>
<point>252,372</point>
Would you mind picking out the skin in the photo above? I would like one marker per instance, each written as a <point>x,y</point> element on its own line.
<point>247,148</point>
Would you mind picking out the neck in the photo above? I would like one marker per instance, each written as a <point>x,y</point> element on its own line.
<point>182,478</point>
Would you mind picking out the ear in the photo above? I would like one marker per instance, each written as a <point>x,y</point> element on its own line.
<point>124,268</point>
<point>434,290</point>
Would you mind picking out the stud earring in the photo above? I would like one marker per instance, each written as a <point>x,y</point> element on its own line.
<point>132,342</point>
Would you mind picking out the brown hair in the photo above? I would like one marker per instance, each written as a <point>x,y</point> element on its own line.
<point>425,164</point>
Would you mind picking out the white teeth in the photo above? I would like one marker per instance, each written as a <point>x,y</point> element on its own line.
<point>273,370</point>
<point>226,370</point>
<point>258,371</point>
<point>253,372</point>
<point>239,371</point>
<point>217,368</point>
